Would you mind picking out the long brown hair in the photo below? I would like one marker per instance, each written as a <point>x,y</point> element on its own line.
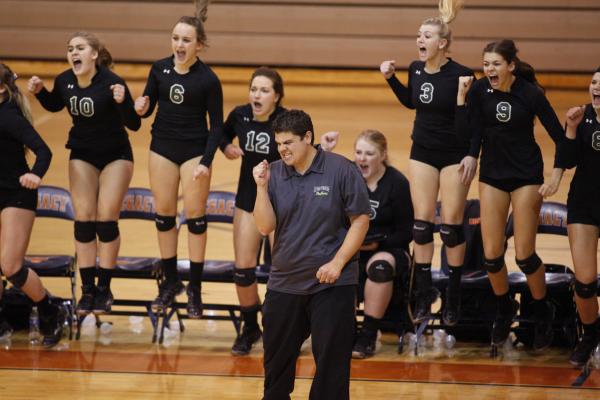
<point>274,77</point>
<point>508,50</point>
<point>8,78</point>
<point>104,57</point>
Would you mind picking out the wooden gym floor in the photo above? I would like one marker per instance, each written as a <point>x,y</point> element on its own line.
<point>197,363</point>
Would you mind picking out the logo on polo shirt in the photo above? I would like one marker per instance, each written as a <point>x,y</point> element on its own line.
<point>321,191</point>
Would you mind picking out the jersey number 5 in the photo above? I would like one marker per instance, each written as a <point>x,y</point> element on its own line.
<point>176,93</point>
<point>426,95</point>
<point>85,106</point>
<point>258,142</point>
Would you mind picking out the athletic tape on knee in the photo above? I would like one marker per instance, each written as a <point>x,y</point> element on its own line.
<point>164,223</point>
<point>493,265</point>
<point>85,231</point>
<point>423,231</point>
<point>530,264</point>
<point>244,276</point>
<point>452,235</point>
<point>586,290</point>
<point>19,278</point>
<point>107,230</point>
<point>381,271</point>
<point>198,225</point>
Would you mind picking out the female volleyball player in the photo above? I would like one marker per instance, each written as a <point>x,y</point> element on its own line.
<point>502,107</point>
<point>101,160</point>
<point>583,218</point>
<point>252,125</point>
<point>18,201</point>
<point>384,258</point>
<point>440,161</point>
<point>182,150</point>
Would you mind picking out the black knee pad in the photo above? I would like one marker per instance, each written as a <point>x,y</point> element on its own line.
<point>107,230</point>
<point>586,290</point>
<point>530,264</point>
<point>19,278</point>
<point>381,271</point>
<point>198,225</point>
<point>493,265</point>
<point>452,235</point>
<point>85,231</point>
<point>164,223</point>
<point>244,276</point>
<point>423,231</point>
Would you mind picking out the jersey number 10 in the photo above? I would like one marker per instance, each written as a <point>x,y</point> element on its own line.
<point>85,106</point>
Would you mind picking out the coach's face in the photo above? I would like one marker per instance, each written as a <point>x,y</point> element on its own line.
<point>293,149</point>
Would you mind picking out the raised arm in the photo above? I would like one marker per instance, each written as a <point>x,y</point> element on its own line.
<point>264,215</point>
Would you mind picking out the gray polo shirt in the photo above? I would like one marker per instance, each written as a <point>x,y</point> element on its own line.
<point>312,221</point>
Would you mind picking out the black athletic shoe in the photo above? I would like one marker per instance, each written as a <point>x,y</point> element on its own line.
<point>51,325</point>
<point>543,332</point>
<point>502,323</point>
<point>423,301</point>
<point>244,342</point>
<point>103,300</point>
<point>451,312</point>
<point>194,304</point>
<point>166,295</point>
<point>584,350</point>
<point>364,347</point>
<point>85,305</point>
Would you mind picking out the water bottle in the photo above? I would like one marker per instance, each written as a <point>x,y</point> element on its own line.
<point>34,326</point>
<point>596,357</point>
<point>439,339</point>
<point>449,342</point>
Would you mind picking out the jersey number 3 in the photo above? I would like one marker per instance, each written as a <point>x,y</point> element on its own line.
<point>85,106</point>
<point>258,142</point>
<point>426,95</point>
<point>176,93</point>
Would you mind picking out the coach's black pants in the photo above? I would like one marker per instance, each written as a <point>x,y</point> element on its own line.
<point>288,320</point>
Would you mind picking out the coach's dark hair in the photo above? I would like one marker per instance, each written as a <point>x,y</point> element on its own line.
<point>8,79</point>
<point>274,77</point>
<point>104,58</point>
<point>197,21</point>
<point>597,70</point>
<point>296,122</point>
<point>507,49</point>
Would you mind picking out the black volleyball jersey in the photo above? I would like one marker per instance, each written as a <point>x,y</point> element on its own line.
<point>16,133</point>
<point>584,152</point>
<point>391,210</point>
<point>257,141</point>
<point>434,98</point>
<point>502,122</point>
<point>97,119</point>
<point>183,102</point>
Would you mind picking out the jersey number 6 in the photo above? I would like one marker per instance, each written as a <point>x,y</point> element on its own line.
<point>176,93</point>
